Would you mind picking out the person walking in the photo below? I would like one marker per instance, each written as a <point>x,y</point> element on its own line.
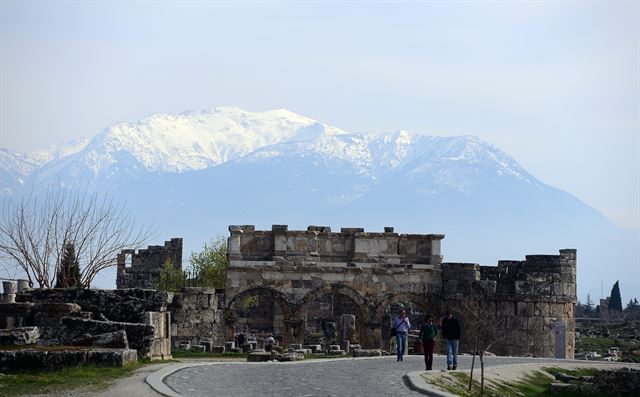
<point>401,325</point>
<point>428,333</point>
<point>451,332</point>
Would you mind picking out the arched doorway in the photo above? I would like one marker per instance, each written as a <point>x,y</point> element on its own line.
<point>417,306</point>
<point>258,312</point>
<point>334,314</point>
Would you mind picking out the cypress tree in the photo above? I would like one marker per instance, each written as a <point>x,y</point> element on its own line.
<point>68,274</point>
<point>615,301</point>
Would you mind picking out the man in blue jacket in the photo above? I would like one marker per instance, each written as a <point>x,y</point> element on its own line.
<point>451,333</point>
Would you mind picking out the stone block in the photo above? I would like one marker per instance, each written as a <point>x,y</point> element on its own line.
<point>333,348</point>
<point>258,357</point>
<point>111,357</point>
<point>314,348</point>
<point>525,309</point>
<point>541,309</point>
<point>291,356</point>
<point>451,286</point>
<point>198,348</point>
<point>366,353</point>
<point>218,349</point>
<point>295,346</point>
<point>116,339</point>
<point>506,308</point>
<point>535,324</point>
<point>523,288</point>
<point>517,323</point>
<point>556,289</point>
<point>19,336</point>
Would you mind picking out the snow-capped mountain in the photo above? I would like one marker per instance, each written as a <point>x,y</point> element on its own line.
<point>14,170</point>
<point>54,152</point>
<point>178,143</point>
<point>195,173</point>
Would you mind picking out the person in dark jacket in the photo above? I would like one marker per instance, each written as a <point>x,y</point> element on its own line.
<point>451,333</point>
<point>428,333</point>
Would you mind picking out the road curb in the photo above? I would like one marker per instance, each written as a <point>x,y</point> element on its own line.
<point>416,382</point>
<point>155,380</point>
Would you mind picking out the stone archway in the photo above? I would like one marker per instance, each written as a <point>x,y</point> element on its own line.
<point>343,296</point>
<point>428,304</point>
<point>268,302</point>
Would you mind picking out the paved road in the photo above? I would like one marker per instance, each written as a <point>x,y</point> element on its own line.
<point>346,377</point>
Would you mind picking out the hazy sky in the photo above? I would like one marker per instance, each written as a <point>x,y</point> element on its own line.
<point>554,84</point>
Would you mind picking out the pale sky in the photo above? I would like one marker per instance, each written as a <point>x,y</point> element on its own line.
<point>554,84</point>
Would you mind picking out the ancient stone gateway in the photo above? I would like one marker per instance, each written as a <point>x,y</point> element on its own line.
<point>344,284</point>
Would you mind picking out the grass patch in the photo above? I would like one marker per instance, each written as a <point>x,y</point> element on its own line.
<point>83,376</point>
<point>536,384</point>
<point>602,344</point>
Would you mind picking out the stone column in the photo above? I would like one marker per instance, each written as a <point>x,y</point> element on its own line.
<point>9,288</point>
<point>22,285</point>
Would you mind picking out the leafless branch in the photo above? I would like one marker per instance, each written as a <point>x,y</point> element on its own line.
<point>34,231</point>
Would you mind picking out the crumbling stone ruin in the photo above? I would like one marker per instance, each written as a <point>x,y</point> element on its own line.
<point>314,276</point>
<point>102,327</point>
<point>146,264</point>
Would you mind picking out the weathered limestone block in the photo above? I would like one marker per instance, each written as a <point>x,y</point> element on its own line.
<point>517,323</point>
<point>19,336</point>
<point>291,356</point>
<point>541,309</point>
<point>535,324</point>
<point>366,352</point>
<point>506,308</point>
<point>139,336</point>
<point>116,339</point>
<point>525,309</point>
<point>111,357</point>
<point>32,359</point>
<point>55,309</point>
<point>258,357</point>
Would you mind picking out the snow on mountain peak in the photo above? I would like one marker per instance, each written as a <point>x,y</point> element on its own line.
<point>197,140</point>
<point>53,152</point>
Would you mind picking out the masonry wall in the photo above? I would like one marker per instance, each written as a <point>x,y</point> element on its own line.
<point>146,264</point>
<point>67,315</point>
<point>530,298</point>
<point>374,270</point>
<point>197,315</point>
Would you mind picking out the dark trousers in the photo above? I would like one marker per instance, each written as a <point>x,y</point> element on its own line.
<point>428,353</point>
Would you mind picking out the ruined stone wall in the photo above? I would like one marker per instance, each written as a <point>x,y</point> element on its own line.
<point>530,298</point>
<point>197,315</point>
<point>65,316</point>
<point>297,269</point>
<point>146,264</point>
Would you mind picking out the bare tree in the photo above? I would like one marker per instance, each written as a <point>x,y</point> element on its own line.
<point>35,231</point>
<point>484,326</point>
